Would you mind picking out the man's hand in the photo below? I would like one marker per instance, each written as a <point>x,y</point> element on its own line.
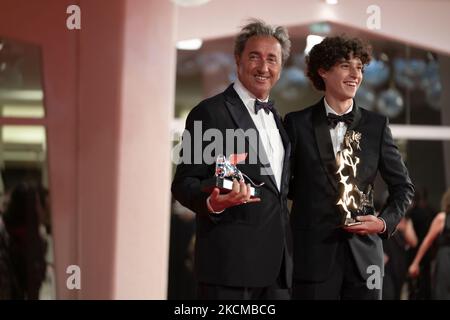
<point>369,225</point>
<point>239,194</point>
<point>413,270</point>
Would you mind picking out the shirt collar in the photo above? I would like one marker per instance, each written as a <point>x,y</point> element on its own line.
<point>328,109</point>
<point>246,96</point>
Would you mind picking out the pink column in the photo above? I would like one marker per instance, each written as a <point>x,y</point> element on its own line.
<point>144,171</point>
<point>127,61</point>
<point>109,91</point>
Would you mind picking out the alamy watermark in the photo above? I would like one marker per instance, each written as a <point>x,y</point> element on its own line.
<point>199,146</point>
<point>73,281</point>
<point>374,281</point>
<point>373,21</point>
<point>73,21</point>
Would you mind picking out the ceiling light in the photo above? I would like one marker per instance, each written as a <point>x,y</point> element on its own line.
<point>191,44</point>
<point>311,41</point>
<point>190,3</point>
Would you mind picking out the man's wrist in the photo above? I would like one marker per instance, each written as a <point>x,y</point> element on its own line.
<point>210,208</point>
<point>384,225</point>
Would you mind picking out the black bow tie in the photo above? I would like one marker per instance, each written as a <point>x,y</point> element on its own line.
<point>267,106</point>
<point>333,119</point>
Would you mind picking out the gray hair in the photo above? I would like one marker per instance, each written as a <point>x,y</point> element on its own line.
<point>259,28</point>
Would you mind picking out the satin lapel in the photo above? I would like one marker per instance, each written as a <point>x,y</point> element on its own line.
<point>243,121</point>
<point>357,120</point>
<point>356,116</point>
<point>324,144</point>
<point>286,145</point>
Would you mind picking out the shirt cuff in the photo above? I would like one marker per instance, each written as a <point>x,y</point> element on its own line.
<point>208,205</point>
<point>384,225</point>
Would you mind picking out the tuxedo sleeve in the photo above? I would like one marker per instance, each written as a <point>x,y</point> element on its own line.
<point>192,169</point>
<point>289,126</point>
<point>394,173</point>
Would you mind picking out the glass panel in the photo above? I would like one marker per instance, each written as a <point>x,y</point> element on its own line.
<point>21,94</point>
<point>403,82</point>
<point>26,231</point>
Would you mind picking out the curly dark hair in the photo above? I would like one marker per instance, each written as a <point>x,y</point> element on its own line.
<point>332,50</point>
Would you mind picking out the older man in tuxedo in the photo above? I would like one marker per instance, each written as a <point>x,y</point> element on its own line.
<point>243,243</point>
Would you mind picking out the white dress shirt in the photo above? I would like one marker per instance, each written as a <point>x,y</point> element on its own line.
<point>268,133</point>
<point>267,129</point>
<point>337,133</point>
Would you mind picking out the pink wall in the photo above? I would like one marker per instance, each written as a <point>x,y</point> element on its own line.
<point>109,91</point>
<point>423,23</point>
<point>100,72</point>
<point>43,23</point>
<point>148,95</point>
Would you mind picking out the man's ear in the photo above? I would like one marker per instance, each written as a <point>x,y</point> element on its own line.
<point>237,59</point>
<point>322,72</point>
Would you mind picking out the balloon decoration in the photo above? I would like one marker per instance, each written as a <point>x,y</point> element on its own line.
<point>365,97</point>
<point>409,72</point>
<point>390,103</point>
<point>376,73</point>
<point>431,84</point>
<point>384,81</point>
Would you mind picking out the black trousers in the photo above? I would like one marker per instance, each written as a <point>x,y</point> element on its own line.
<point>276,291</point>
<point>344,283</point>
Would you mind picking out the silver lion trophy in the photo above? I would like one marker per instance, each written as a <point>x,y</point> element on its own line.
<point>352,202</point>
<point>225,172</point>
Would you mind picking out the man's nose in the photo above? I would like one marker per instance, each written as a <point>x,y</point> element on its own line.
<point>263,66</point>
<point>354,72</point>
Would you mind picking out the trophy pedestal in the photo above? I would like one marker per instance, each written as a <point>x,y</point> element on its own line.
<point>225,186</point>
<point>348,222</point>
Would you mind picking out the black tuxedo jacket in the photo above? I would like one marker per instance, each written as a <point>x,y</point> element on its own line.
<point>314,190</point>
<point>245,245</point>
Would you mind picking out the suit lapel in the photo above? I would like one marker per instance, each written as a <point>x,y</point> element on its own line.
<point>324,144</point>
<point>243,121</point>
<point>286,145</point>
<point>356,117</point>
<point>357,121</point>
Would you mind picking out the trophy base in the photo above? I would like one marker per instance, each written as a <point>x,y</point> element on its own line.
<point>225,186</point>
<point>350,222</point>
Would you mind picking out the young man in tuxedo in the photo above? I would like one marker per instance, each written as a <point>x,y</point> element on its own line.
<point>332,261</point>
<point>243,244</point>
